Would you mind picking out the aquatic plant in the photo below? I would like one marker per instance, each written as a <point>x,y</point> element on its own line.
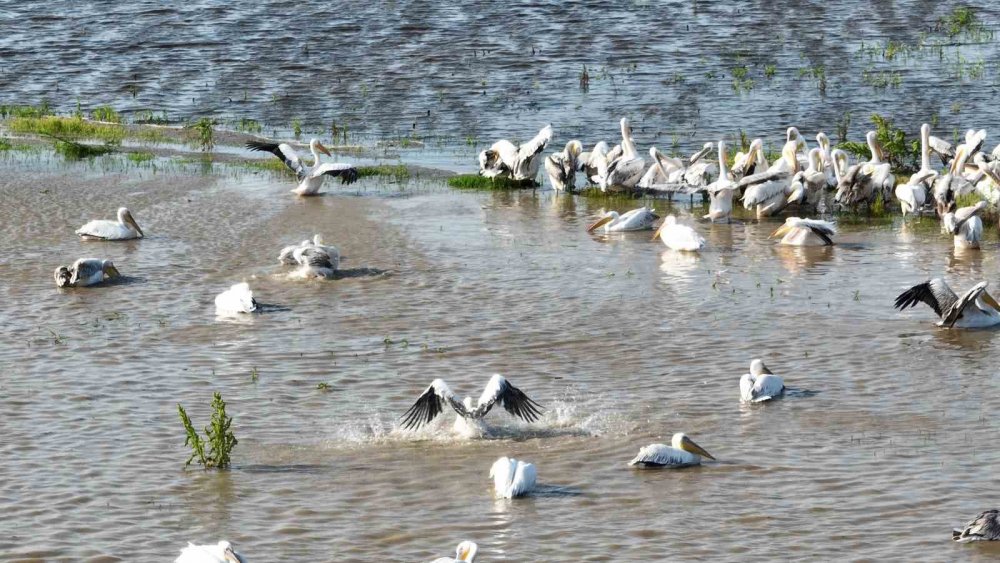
<point>901,155</point>
<point>5,144</point>
<point>399,172</point>
<point>68,128</point>
<point>297,128</point>
<point>71,150</point>
<point>203,133</point>
<point>40,110</point>
<point>147,117</point>
<point>741,80</point>
<point>477,182</point>
<point>247,125</point>
<point>218,439</point>
<point>254,374</point>
<point>881,80</point>
<point>962,20</point>
<point>106,114</point>
<point>769,71</point>
<point>323,386</point>
<point>139,157</point>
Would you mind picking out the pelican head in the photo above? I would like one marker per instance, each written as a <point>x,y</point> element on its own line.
<point>670,220</point>
<point>317,240</point>
<point>574,148</point>
<point>788,153</point>
<point>125,218</point>
<point>781,231</point>
<point>823,141</point>
<point>985,168</point>
<point>839,159</point>
<point>466,551</point>
<point>626,128</point>
<point>63,276</point>
<point>607,218</point>
<point>757,368</point>
<point>680,441</point>
<point>877,155</point>
<point>228,553</point>
<point>792,134</point>
<point>705,149</point>
<point>315,145</point>
<point>816,159</point>
<point>109,269</point>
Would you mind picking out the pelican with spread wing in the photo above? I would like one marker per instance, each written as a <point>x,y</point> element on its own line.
<point>518,162</point>
<point>682,452</point>
<point>469,421</point>
<point>805,232</point>
<point>974,309</point>
<point>310,177</point>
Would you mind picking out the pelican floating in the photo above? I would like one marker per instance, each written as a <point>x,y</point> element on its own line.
<point>974,309</point>
<point>314,258</point>
<point>679,237</point>
<point>86,271</point>
<point>640,219</point>
<point>985,527</point>
<point>561,166</point>
<point>221,552</point>
<point>469,420</point>
<point>125,228</point>
<point>236,299</point>
<point>310,177</point>
<point>760,384</point>
<point>965,225</point>
<point>626,170</point>
<point>805,232</point>
<point>512,478</point>
<point>682,452</point>
<point>464,553</point>
<point>720,192</point>
<point>504,158</point>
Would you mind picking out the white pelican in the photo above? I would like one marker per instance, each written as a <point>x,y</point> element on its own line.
<point>561,166</point>
<point>748,163</point>
<point>678,237</point>
<point>504,158</point>
<point>827,159</point>
<point>942,148</point>
<point>808,185</point>
<point>953,183</point>
<point>768,192</point>
<point>640,219</point>
<point>760,384</point>
<point>125,228</point>
<point>221,552</point>
<point>512,478</point>
<point>86,271</point>
<point>801,146</point>
<point>313,258</point>
<point>913,193</point>
<point>663,170</point>
<point>464,553</point>
<point>989,185</point>
<point>965,225</point>
<point>883,179</point>
<point>287,255</point>
<point>985,527</point>
<point>682,452</point>
<point>975,309</point>
<point>721,191</point>
<point>236,299</point>
<point>805,232</point>
<point>699,171</point>
<point>626,170</point>
<point>310,177</point>
<point>591,162</point>
<point>854,184</point>
<point>469,420</point>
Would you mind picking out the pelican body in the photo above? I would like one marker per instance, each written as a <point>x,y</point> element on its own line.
<point>464,553</point>
<point>221,552</point>
<point>469,422</point>
<point>721,191</point>
<point>640,219</point>
<point>985,527</point>
<point>760,384</point>
<point>626,170</point>
<point>236,299</point>
<point>512,478</point>
<point>504,158</point>
<point>974,309</point>
<point>805,232</point>
<point>310,177</point>
<point>125,228</point>
<point>682,452</point>
<point>561,166</point>
<point>85,272</point>
<point>965,225</point>
<point>679,237</point>
<point>314,259</point>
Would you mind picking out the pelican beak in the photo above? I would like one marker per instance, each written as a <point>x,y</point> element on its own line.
<point>656,235</point>
<point>323,149</point>
<point>780,231</point>
<point>688,445</point>
<point>131,221</point>
<point>699,155</point>
<point>990,301</point>
<point>231,556</point>
<point>111,271</point>
<point>463,553</point>
<point>767,371</point>
<point>600,222</point>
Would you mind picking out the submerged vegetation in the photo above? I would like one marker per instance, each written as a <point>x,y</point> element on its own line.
<point>399,172</point>
<point>202,134</point>
<point>219,439</point>
<point>477,182</point>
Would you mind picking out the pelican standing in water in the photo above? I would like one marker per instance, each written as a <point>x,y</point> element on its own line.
<point>663,170</point>
<point>985,527</point>
<point>989,185</point>
<point>721,191</point>
<point>86,271</point>
<point>310,177</point>
<point>827,159</point>
<point>469,421</point>
<point>125,228</point>
<point>221,552</point>
<point>236,299</point>
<point>805,232</point>
<point>679,237</point>
<point>974,309</point>
<point>808,185</point>
<point>750,162</point>
<point>640,219</point>
<point>881,172</point>
<point>682,452</point>
<point>626,170</point>
<point>520,163</point>
<point>965,225</point>
<point>699,171</point>
<point>767,193</point>
<point>913,193</point>
<point>512,478</point>
<point>561,166</point>
<point>760,384</point>
<point>464,553</point>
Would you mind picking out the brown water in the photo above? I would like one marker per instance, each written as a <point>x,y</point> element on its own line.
<point>886,442</point>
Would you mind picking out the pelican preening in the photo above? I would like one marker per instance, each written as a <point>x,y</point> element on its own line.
<point>805,232</point>
<point>679,237</point>
<point>310,177</point>
<point>965,225</point>
<point>125,228</point>
<point>985,527</point>
<point>974,309</point>
<point>682,452</point>
<point>85,272</point>
<point>236,299</point>
<point>767,192</point>
<point>760,384</point>
<point>504,158</point>
<point>221,552</point>
<point>314,259</point>
<point>469,420</point>
<point>640,219</point>
<point>512,478</point>
<point>626,170</point>
<point>464,553</point>
<point>561,166</point>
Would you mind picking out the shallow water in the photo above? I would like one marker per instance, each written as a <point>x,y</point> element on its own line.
<point>884,446</point>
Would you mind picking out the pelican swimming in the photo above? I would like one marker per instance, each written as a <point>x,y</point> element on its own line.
<point>965,225</point>
<point>721,191</point>
<point>236,299</point>
<point>805,232</point>
<point>469,420</point>
<point>768,192</point>
<point>561,166</point>
<point>699,171</point>
<point>518,162</point>
<point>125,228</point>
<point>682,452</point>
<point>985,527</point>
<point>86,271</point>
<point>640,219</point>
<point>626,170</point>
<point>760,384</point>
<point>464,553</point>
<point>314,258</point>
<point>310,177</point>
<point>512,478</point>
<point>678,237</point>
<point>663,170</point>
<point>221,552</point>
<point>974,309</point>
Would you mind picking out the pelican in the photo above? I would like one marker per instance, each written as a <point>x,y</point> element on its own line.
<point>975,309</point>
<point>854,183</point>
<point>561,166</point>
<point>591,162</point>
<point>678,237</point>
<point>512,478</point>
<point>287,255</point>
<point>101,229</point>
<point>768,191</point>
<point>720,192</point>
<point>985,527</point>
<point>236,299</point>
<point>942,148</point>
<point>801,147</point>
<point>663,170</point>
<point>699,171</point>
<point>86,271</point>
<point>640,219</point>
<point>682,452</point>
<point>221,552</point>
<point>913,193</point>
<point>504,158</point>
<point>805,232</point>
<point>464,553</point>
<point>750,162</point>
<point>883,179</point>
<point>808,185</point>
<point>760,384</point>
<point>989,185</point>
<point>827,159</point>
<point>949,186</point>
<point>626,170</point>
<point>469,420</point>
<point>310,177</point>
<point>316,261</point>
<point>965,225</point>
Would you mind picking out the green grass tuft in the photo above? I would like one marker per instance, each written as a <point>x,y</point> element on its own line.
<point>72,150</point>
<point>219,439</point>
<point>68,128</point>
<point>477,182</point>
<point>25,111</point>
<point>139,157</point>
<point>399,172</point>
<point>105,113</point>
<point>202,133</point>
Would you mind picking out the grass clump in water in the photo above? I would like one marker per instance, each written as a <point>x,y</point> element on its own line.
<point>961,20</point>
<point>219,439</point>
<point>140,157</point>
<point>247,125</point>
<point>146,117</point>
<point>106,114</point>
<point>477,182</point>
<point>269,165</point>
<point>399,172</point>
<point>40,110</point>
<point>68,128</point>
<point>202,133</point>
<point>71,150</point>
<point>901,155</point>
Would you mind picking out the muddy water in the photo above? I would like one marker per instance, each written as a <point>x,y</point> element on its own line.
<point>885,443</point>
